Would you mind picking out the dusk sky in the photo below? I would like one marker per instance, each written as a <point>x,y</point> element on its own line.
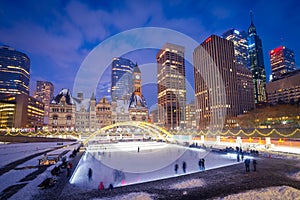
<point>58,35</point>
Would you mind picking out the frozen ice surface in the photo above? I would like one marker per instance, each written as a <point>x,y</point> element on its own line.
<point>122,164</point>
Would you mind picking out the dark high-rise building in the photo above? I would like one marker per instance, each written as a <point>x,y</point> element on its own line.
<point>282,61</point>
<point>257,64</point>
<point>171,86</point>
<point>121,79</point>
<point>239,39</point>
<point>45,93</point>
<point>14,72</point>
<point>216,85</point>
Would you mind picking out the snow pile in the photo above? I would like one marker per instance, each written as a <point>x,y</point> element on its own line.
<point>192,183</point>
<point>130,196</point>
<point>275,193</point>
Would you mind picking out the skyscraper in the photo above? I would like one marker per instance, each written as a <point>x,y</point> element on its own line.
<point>216,87</point>
<point>14,72</point>
<point>171,86</point>
<point>45,93</point>
<point>239,39</point>
<point>282,61</point>
<point>121,79</point>
<point>257,64</point>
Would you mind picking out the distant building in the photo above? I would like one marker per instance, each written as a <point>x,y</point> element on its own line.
<point>21,111</point>
<point>85,114</point>
<point>171,86</point>
<point>138,109</point>
<point>190,115</point>
<point>45,93</point>
<point>257,64</point>
<point>121,78</point>
<point>285,89</point>
<point>215,89</point>
<point>120,112</point>
<point>62,112</point>
<point>154,116</point>
<point>14,72</point>
<point>104,113</point>
<point>240,42</point>
<point>245,90</point>
<point>282,61</point>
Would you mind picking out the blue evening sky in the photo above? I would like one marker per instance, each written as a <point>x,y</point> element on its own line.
<point>58,34</point>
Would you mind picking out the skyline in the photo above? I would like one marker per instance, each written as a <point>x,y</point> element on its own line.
<point>58,35</point>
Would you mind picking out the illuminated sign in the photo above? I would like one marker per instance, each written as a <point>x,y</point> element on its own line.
<point>207,40</point>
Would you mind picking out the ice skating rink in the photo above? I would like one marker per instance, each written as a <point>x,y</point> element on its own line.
<point>127,163</point>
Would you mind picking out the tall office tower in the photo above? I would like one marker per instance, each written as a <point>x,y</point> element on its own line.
<point>121,79</point>
<point>282,61</point>
<point>45,93</point>
<point>216,87</point>
<point>14,72</point>
<point>257,64</point>
<point>171,86</point>
<point>239,39</point>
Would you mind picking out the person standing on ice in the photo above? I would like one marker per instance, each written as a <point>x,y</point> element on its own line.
<point>254,164</point>
<point>90,174</point>
<point>138,149</point>
<point>247,165</point>
<point>184,167</point>
<point>176,168</point>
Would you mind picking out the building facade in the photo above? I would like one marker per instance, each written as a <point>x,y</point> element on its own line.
<point>215,78</point>
<point>190,115</point>
<point>171,86</point>
<point>85,114</point>
<point>45,93</point>
<point>62,112</point>
<point>285,89</point>
<point>104,113</point>
<point>21,111</point>
<point>121,78</point>
<point>257,64</point>
<point>138,109</point>
<point>14,72</point>
<point>282,61</point>
<point>240,41</point>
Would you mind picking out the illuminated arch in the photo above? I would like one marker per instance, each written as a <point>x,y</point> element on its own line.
<point>148,127</point>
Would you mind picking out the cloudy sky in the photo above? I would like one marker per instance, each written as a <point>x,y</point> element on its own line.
<point>57,35</point>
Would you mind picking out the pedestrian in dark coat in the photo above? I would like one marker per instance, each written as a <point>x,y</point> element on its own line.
<point>247,165</point>
<point>90,174</point>
<point>254,162</point>
<point>176,168</point>
<point>184,167</point>
<point>203,164</point>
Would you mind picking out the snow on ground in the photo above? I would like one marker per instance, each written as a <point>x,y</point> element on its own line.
<point>12,152</point>
<point>13,176</point>
<point>274,193</point>
<point>131,196</point>
<point>117,167</point>
<point>188,184</point>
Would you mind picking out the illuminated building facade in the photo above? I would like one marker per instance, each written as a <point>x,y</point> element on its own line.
<point>21,111</point>
<point>215,79</point>
<point>257,64</point>
<point>190,115</point>
<point>104,113</point>
<point>121,78</point>
<point>285,89</point>
<point>171,86</point>
<point>45,93</point>
<point>282,61</point>
<point>14,72</point>
<point>138,109</point>
<point>239,39</point>
<point>62,112</point>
